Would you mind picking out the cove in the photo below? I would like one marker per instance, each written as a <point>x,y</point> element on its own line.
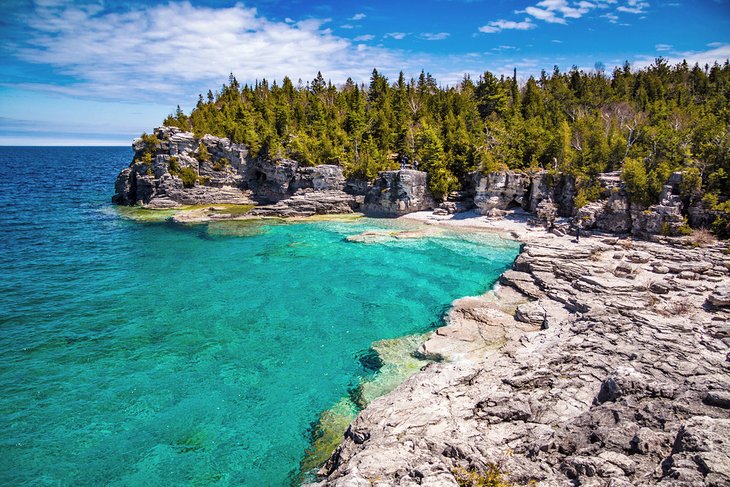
<point>157,354</point>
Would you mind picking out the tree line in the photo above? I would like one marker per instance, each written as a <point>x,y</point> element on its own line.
<point>650,121</point>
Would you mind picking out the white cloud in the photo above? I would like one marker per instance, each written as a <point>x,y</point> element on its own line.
<point>663,47</point>
<point>358,16</point>
<point>164,51</point>
<point>347,26</point>
<point>716,54</point>
<point>366,37</point>
<point>613,18</point>
<point>634,7</point>
<point>500,25</point>
<point>556,41</point>
<point>560,11</point>
<point>439,36</point>
<point>546,15</point>
<point>395,35</point>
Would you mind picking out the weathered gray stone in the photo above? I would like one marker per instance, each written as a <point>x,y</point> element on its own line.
<point>504,190</point>
<point>623,387</point>
<point>399,192</point>
<point>616,214</point>
<point>720,296</point>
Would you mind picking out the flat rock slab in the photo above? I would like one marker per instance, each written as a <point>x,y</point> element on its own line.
<point>612,369</point>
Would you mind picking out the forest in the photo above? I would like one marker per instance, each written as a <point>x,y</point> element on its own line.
<point>647,122</point>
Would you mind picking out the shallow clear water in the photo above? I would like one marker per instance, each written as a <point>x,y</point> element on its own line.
<point>152,354</point>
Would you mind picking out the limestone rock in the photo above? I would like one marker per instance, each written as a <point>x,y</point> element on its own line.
<point>624,387</point>
<point>616,215</point>
<point>504,190</point>
<point>720,296</point>
<point>399,192</point>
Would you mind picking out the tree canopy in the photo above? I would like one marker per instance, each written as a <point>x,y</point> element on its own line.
<point>661,118</point>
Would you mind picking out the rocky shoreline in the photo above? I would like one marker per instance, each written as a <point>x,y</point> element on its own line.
<point>599,362</point>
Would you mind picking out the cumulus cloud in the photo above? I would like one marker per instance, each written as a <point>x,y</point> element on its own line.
<point>663,47</point>
<point>439,36</point>
<point>562,11</point>
<point>365,37</point>
<point>545,15</point>
<point>167,49</point>
<point>634,7</point>
<point>358,16</point>
<point>395,35</point>
<point>500,25</point>
<point>715,54</point>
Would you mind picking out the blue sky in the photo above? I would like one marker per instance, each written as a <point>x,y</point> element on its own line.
<point>100,73</point>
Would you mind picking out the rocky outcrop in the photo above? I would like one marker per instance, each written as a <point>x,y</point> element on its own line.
<point>497,192</point>
<point>308,203</point>
<point>504,190</point>
<point>175,168</point>
<point>396,193</point>
<point>155,177</point>
<point>603,363</point>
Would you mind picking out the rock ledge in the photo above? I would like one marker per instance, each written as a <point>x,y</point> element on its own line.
<point>600,363</point>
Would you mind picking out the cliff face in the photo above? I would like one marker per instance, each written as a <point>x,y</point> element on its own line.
<point>164,167</point>
<point>174,168</point>
<point>496,193</point>
<point>399,192</point>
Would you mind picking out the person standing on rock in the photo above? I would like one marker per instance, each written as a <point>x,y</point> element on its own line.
<point>577,233</point>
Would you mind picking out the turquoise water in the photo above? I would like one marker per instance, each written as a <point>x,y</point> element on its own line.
<point>153,354</point>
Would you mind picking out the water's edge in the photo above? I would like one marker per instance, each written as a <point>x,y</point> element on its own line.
<point>328,433</point>
<point>392,361</point>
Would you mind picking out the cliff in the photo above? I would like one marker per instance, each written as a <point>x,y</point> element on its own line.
<point>172,168</point>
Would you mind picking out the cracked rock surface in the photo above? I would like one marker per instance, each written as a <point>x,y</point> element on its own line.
<point>599,363</point>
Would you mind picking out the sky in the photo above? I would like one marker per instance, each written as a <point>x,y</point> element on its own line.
<point>102,72</point>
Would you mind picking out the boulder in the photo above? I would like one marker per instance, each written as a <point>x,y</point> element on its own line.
<point>720,297</point>
<point>270,180</point>
<point>325,177</point>
<point>502,190</point>
<point>396,193</point>
<point>616,215</point>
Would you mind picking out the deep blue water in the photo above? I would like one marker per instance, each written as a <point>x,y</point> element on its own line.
<point>152,354</point>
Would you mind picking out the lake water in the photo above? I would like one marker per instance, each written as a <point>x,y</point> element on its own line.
<point>153,354</point>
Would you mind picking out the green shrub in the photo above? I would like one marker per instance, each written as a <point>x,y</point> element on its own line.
<point>684,230</point>
<point>203,154</point>
<point>586,192</point>
<point>173,165</point>
<point>691,185</point>
<point>637,182</point>
<point>441,182</point>
<point>189,177</point>
<point>220,164</point>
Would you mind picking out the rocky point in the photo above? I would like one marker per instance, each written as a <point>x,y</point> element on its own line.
<point>603,362</point>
